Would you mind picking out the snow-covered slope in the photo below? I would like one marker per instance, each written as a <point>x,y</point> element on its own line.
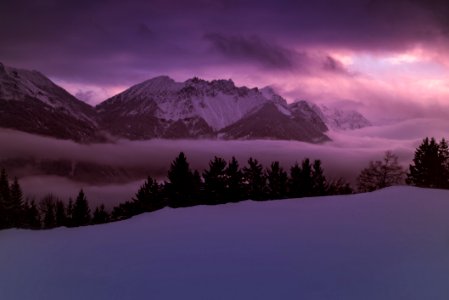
<point>336,119</point>
<point>30,102</point>
<point>304,109</point>
<point>341,119</point>
<point>195,108</point>
<point>391,244</point>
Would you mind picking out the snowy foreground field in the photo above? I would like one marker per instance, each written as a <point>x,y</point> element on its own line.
<point>390,244</point>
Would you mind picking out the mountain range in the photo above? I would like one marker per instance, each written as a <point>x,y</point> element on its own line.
<point>163,108</point>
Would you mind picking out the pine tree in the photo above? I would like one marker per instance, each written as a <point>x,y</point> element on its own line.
<point>381,174</point>
<point>319,182</point>
<point>254,180</point>
<point>16,204</point>
<point>306,178</point>
<point>125,211</point>
<point>215,181</point>
<point>149,197</point>
<point>81,211</point>
<point>295,181</point>
<point>60,214</point>
<point>443,153</point>
<point>277,181</point>
<point>100,216</point>
<point>429,167</point>
<point>182,186</point>
<point>301,182</point>
<point>5,219</point>
<point>197,188</point>
<point>69,214</point>
<point>234,181</point>
<point>47,207</point>
<point>31,215</point>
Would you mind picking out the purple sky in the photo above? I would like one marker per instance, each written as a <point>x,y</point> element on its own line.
<point>386,58</point>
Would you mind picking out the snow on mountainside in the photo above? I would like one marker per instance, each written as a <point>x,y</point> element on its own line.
<point>17,84</point>
<point>304,109</point>
<point>219,102</point>
<point>31,102</point>
<point>197,108</point>
<point>337,119</point>
<point>163,108</point>
<point>340,119</point>
<point>390,244</point>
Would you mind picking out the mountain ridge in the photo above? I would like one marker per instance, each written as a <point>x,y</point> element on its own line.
<point>158,107</point>
<point>31,102</point>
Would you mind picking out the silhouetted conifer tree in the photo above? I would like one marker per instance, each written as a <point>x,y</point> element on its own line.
<point>100,216</point>
<point>215,181</point>
<point>198,186</point>
<point>31,215</point>
<point>319,182</point>
<point>125,210</point>
<point>295,181</point>
<point>48,211</point>
<point>69,214</point>
<point>254,180</point>
<point>81,211</point>
<point>234,181</point>
<point>150,196</point>
<point>182,186</point>
<point>277,181</point>
<point>429,167</point>
<point>306,178</point>
<point>60,214</point>
<point>5,219</point>
<point>16,204</point>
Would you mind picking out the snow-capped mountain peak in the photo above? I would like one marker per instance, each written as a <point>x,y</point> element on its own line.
<point>218,102</point>
<point>162,107</point>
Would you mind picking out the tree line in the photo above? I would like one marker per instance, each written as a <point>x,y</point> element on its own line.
<point>429,169</point>
<point>222,182</point>
<point>48,213</point>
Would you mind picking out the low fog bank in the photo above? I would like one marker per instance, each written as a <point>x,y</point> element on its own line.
<point>344,156</point>
<point>36,187</point>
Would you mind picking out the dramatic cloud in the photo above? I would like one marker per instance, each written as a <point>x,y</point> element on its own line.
<point>372,52</point>
<point>252,49</point>
<point>271,56</point>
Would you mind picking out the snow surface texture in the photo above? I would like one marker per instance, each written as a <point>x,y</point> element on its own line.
<point>390,244</point>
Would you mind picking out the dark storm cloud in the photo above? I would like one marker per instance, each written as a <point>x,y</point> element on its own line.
<point>114,41</point>
<point>439,9</point>
<point>252,49</point>
<point>332,65</point>
<point>267,54</point>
